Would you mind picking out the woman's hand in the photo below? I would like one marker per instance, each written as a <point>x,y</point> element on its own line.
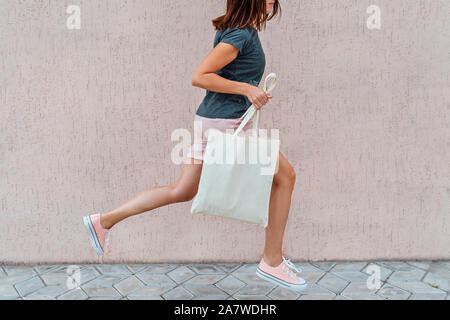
<point>257,96</point>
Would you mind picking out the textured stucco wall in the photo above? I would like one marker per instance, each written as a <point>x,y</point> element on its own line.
<point>87,116</point>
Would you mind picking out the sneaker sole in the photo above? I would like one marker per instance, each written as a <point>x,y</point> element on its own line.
<point>92,235</point>
<point>274,280</point>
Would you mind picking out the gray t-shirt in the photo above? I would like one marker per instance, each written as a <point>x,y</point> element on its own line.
<point>248,67</point>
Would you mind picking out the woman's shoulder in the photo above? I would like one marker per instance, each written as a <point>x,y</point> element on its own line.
<point>232,35</point>
<point>235,31</point>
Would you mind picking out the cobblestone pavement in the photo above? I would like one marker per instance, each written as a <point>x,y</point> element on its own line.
<point>326,280</point>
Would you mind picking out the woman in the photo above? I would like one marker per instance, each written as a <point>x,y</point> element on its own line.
<point>230,73</point>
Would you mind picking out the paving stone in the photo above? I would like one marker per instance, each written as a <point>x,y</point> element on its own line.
<point>428,296</point>
<point>51,291</point>
<point>341,297</point>
<point>249,278</point>
<point>384,271</point>
<point>60,275</point>
<point>348,266</point>
<point>181,274</point>
<point>19,271</point>
<point>262,288</point>
<point>437,281</point>
<point>101,291</point>
<point>281,293</point>
<point>332,283</point>
<point>312,277</point>
<point>205,290</point>
<point>328,296</point>
<point>440,269</point>
<point>250,297</point>
<point>28,286</point>
<point>205,279</point>
<point>113,269</point>
<point>410,275</point>
<point>404,280</point>
<point>206,269</point>
<point>156,279</point>
<point>416,287</point>
<point>396,265</point>
<point>8,291</point>
<point>128,285</point>
<point>444,263</point>
<point>424,265</point>
<point>327,265</point>
<point>134,268</point>
<point>10,298</point>
<point>150,291</point>
<point>211,297</point>
<point>16,274</point>
<point>160,268</point>
<point>359,287</point>
<point>105,298</point>
<point>230,284</point>
<point>393,293</point>
<point>178,293</point>
<point>35,296</point>
<point>314,289</point>
<point>246,268</point>
<point>41,269</point>
<point>102,286</point>
<point>86,265</point>
<point>363,296</point>
<point>74,294</point>
<point>145,298</point>
<point>56,276</point>
<point>87,274</point>
<point>228,267</point>
<point>255,285</point>
<point>11,280</point>
<point>307,267</point>
<point>351,276</point>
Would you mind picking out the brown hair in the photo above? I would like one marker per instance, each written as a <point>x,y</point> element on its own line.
<point>246,13</point>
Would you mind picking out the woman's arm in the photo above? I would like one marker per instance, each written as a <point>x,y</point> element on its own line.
<point>205,76</point>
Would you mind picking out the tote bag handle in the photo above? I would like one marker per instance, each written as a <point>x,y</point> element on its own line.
<point>269,84</point>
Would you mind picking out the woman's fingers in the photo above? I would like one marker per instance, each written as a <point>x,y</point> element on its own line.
<point>260,101</point>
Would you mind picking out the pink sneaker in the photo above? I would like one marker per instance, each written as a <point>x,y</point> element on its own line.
<point>98,235</point>
<point>283,275</point>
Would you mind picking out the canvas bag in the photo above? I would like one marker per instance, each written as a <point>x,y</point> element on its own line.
<point>233,189</point>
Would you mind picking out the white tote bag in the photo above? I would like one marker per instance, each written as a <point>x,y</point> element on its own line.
<point>237,173</point>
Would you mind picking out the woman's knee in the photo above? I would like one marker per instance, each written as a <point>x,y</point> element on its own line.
<point>182,194</point>
<point>286,177</point>
<point>291,174</point>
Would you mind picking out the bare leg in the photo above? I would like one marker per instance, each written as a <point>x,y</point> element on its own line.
<point>280,203</point>
<point>184,189</point>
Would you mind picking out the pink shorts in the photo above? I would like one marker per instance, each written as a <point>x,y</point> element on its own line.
<point>197,149</point>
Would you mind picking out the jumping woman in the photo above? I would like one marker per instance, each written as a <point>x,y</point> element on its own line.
<point>230,73</point>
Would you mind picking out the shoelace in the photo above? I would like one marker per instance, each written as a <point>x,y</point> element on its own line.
<point>289,270</point>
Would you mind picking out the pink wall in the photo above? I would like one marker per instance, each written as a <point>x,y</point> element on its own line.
<point>87,116</point>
